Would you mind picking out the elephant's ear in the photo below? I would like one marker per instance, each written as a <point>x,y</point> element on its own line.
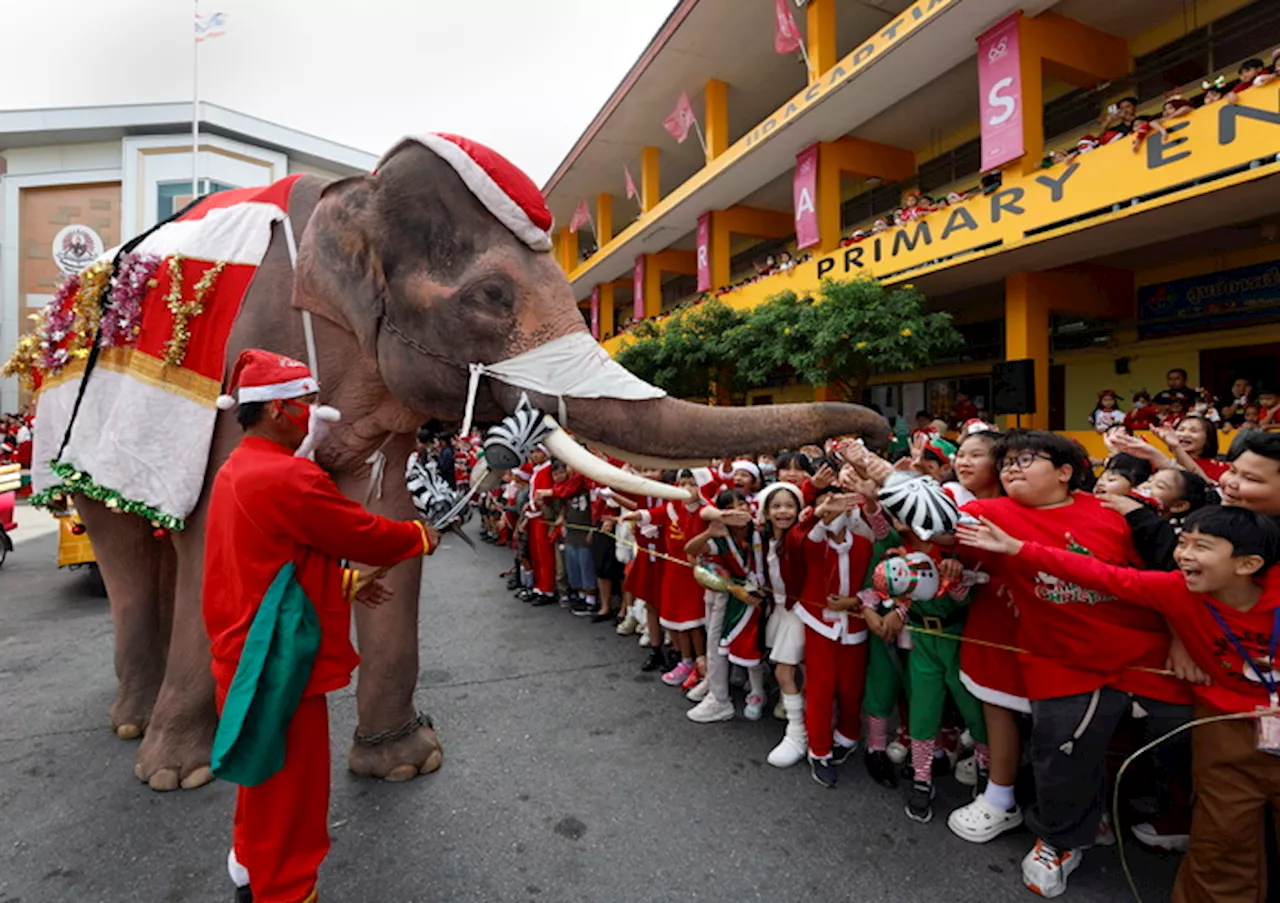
<point>340,273</point>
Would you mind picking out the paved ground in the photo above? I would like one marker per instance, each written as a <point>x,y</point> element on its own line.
<point>568,776</point>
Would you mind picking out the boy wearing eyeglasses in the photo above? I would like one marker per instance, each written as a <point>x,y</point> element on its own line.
<point>1082,646</point>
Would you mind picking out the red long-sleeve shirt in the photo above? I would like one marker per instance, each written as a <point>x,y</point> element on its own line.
<point>1079,639</point>
<point>267,508</point>
<point>1235,686</point>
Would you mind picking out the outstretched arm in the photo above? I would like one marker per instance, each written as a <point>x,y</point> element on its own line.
<point>325,519</point>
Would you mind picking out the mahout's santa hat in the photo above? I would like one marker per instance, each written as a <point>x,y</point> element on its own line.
<point>504,189</point>
<point>266,376</point>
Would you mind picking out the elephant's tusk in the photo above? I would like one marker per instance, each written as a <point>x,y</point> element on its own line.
<point>562,446</point>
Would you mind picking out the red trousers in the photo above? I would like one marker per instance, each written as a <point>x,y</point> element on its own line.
<point>834,675</point>
<point>543,554</point>
<point>282,825</point>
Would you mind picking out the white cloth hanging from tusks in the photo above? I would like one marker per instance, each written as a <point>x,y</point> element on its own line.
<point>572,366</point>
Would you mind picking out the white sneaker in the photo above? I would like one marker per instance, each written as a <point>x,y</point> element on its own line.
<point>1045,869</point>
<point>644,636</point>
<point>897,752</point>
<point>980,821</point>
<point>699,692</point>
<point>628,625</point>
<point>711,710</point>
<point>966,740</point>
<point>779,710</point>
<point>789,752</point>
<point>966,771</point>
<point>1150,836</point>
<point>754,709</point>
<point>1106,834</point>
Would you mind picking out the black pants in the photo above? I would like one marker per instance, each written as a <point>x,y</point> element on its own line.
<point>603,549</point>
<point>1069,738</point>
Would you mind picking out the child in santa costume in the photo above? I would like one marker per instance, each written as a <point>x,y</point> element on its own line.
<point>542,550</point>
<point>733,622</point>
<point>681,606</point>
<point>833,561</point>
<point>277,607</point>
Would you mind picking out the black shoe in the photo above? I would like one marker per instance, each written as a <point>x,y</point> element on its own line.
<point>920,802</point>
<point>513,583</point>
<point>655,660</point>
<point>841,754</point>
<point>524,594</point>
<point>541,600</point>
<point>881,769</point>
<point>244,894</point>
<point>581,608</point>
<point>601,616</point>
<point>823,771</point>
<point>673,658</point>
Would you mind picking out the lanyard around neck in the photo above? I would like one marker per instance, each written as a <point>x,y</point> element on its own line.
<point>1265,679</point>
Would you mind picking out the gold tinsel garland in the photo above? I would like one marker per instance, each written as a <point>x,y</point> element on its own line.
<point>25,359</point>
<point>185,311</point>
<point>88,309</point>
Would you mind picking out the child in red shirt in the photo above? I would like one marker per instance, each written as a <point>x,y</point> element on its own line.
<point>1231,624</point>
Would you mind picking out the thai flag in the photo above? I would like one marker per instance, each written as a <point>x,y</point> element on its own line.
<point>213,25</point>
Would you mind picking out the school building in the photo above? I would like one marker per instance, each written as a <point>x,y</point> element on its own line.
<point>1105,269</point>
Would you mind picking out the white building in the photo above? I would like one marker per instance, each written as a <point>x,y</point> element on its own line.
<point>77,180</point>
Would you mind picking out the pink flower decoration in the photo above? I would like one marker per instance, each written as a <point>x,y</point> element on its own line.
<point>55,328</point>
<point>122,320</point>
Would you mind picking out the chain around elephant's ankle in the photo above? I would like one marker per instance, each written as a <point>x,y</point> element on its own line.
<point>398,733</point>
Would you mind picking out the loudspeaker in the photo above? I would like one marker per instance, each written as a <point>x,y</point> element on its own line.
<point>1013,387</point>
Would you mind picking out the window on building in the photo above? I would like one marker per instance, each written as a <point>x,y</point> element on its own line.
<point>954,165</point>
<point>1069,333</point>
<point>171,197</point>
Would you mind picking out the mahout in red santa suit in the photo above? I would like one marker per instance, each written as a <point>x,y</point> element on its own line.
<point>277,606</point>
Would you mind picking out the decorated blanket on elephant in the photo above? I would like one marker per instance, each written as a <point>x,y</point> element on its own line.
<point>128,358</point>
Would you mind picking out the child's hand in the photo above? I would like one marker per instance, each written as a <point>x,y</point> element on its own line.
<point>735,518</point>
<point>1121,504</point>
<point>1181,664</point>
<point>951,570</point>
<point>891,625</point>
<point>824,477</point>
<point>988,537</point>
<point>843,603</point>
<point>875,623</point>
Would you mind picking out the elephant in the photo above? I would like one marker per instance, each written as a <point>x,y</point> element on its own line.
<point>409,279</point>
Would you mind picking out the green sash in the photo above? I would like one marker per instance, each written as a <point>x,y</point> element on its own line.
<point>274,668</point>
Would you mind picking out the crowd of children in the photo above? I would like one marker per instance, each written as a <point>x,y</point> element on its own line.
<point>1066,605</point>
<point>15,438</point>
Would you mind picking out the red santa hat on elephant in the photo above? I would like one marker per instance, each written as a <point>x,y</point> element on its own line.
<point>504,189</point>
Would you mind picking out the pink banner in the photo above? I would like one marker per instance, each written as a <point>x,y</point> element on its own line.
<point>595,312</point>
<point>1000,94</point>
<point>786,37</point>
<point>637,287</point>
<point>704,252</point>
<point>804,198</point>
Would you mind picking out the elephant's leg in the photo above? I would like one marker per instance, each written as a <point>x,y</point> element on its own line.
<point>129,558</point>
<point>388,640</point>
<point>175,751</point>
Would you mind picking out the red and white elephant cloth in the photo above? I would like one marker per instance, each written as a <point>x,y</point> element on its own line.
<point>132,423</point>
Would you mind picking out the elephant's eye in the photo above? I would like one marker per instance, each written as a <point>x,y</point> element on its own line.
<point>491,291</point>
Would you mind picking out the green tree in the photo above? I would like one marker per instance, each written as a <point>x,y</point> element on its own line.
<point>853,330</point>
<point>693,347</point>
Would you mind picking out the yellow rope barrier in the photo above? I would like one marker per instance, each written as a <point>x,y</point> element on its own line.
<point>857,614</point>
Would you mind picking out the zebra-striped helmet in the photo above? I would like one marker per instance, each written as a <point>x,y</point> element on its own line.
<point>919,502</point>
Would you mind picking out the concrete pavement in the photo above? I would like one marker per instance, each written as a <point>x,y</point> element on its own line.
<point>568,776</point>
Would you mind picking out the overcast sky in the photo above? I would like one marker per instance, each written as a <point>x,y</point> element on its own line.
<point>524,76</point>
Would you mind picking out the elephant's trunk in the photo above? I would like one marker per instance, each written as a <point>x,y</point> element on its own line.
<point>673,430</point>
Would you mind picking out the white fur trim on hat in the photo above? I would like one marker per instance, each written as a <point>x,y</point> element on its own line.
<point>294,388</point>
<point>750,467</point>
<point>487,191</point>
<point>768,492</point>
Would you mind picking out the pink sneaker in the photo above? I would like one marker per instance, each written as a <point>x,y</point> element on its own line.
<point>692,680</point>
<point>678,675</point>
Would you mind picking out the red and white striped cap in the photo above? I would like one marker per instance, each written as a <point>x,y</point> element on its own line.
<point>500,185</point>
<point>265,376</point>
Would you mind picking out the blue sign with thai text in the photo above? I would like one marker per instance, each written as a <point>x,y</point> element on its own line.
<point>1232,296</point>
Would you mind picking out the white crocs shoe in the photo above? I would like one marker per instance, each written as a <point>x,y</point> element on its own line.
<point>980,821</point>
<point>628,626</point>
<point>1046,868</point>
<point>711,710</point>
<point>699,692</point>
<point>754,709</point>
<point>966,771</point>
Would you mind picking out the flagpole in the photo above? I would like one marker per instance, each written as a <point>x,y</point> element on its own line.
<point>195,105</point>
<point>703,141</point>
<point>805,54</point>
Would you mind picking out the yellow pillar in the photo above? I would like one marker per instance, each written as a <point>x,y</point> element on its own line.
<point>604,219</point>
<point>1026,335</point>
<point>568,249</point>
<point>606,310</point>
<point>821,41</point>
<point>1065,50</point>
<point>650,190</point>
<point>652,288</point>
<point>864,159</point>
<point>717,118</point>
